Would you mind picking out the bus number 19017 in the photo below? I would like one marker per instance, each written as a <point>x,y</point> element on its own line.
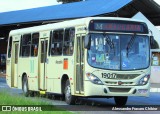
<point>109,75</point>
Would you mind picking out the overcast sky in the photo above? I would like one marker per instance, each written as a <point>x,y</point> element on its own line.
<point>10,5</point>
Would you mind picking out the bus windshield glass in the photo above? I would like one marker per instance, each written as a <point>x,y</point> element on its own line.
<point>119,51</point>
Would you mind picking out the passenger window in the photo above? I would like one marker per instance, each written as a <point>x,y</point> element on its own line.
<point>34,45</point>
<point>56,43</point>
<point>25,45</point>
<point>50,43</point>
<point>9,47</point>
<point>68,44</point>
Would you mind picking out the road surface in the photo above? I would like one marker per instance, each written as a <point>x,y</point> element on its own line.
<point>92,105</point>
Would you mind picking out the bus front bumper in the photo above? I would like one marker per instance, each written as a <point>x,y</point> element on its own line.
<point>104,90</point>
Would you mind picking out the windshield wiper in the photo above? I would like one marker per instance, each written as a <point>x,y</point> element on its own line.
<point>130,44</point>
<point>109,42</point>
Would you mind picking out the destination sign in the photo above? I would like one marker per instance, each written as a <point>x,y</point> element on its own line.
<point>118,26</point>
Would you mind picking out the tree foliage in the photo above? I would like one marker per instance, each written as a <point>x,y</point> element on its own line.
<point>68,1</point>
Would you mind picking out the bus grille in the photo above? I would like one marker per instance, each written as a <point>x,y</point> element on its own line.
<point>126,76</point>
<point>116,83</point>
<point>124,90</point>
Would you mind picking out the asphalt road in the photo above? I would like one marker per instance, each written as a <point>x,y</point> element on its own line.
<point>92,105</point>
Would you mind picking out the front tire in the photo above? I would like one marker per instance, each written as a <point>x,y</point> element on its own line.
<point>120,101</point>
<point>70,99</point>
<point>25,86</point>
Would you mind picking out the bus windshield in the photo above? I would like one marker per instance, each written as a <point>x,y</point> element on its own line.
<point>119,51</point>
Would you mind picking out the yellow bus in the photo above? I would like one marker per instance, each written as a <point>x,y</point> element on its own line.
<point>89,57</point>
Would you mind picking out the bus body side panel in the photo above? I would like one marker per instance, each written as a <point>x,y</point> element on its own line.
<point>68,69</point>
<point>54,73</point>
<point>56,69</point>
<point>33,73</point>
<point>29,67</point>
<point>8,70</point>
<point>8,64</point>
<point>24,68</point>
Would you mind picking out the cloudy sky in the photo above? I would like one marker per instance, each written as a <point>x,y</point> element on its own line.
<point>10,5</point>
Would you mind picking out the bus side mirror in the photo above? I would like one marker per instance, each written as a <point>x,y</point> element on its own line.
<point>87,42</point>
<point>152,42</point>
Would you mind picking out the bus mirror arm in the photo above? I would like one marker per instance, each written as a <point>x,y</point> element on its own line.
<point>87,42</point>
<point>152,40</point>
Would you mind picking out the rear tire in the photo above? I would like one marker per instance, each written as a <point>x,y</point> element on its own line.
<point>70,99</point>
<point>120,101</point>
<point>25,86</point>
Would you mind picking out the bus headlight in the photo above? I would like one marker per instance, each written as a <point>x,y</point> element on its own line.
<point>144,80</point>
<point>94,79</point>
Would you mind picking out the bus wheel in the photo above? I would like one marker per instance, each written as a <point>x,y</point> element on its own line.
<point>25,86</point>
<point>120,101</point>
<point>70,99</point>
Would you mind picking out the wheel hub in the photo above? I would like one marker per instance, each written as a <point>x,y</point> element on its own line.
<point>68,92</point>
<point>25,87</point>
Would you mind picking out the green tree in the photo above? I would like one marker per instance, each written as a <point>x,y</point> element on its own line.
<point>68,1</point>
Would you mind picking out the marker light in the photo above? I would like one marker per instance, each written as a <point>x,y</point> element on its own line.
<point>94,79</point>
<point>142,91</point>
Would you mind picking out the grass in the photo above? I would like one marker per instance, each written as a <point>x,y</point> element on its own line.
<point>20,100</point>
<point>16,99</point>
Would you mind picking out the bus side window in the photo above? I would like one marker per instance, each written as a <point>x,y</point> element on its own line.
<point>9,47</point>
<point>34,44</point>
<point>25,45</point>
<point>68,41</point>
<point>56,45</point>
<point>50,43</point>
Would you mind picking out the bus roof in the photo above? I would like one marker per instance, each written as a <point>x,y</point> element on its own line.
<point>65,24</point>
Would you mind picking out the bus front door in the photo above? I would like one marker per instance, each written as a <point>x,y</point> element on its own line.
<point>80,64</point>
<point>14,68</point>
<point>42,63</point>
